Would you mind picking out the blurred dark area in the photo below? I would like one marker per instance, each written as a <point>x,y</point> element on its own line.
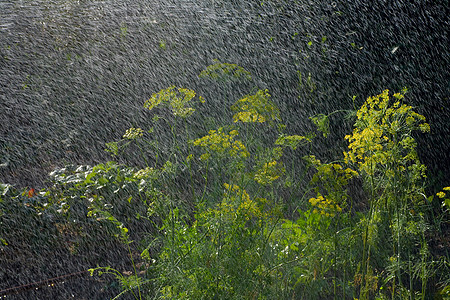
<point>75,74</point>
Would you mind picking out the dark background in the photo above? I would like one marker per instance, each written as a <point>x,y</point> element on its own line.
<point>75,74</point>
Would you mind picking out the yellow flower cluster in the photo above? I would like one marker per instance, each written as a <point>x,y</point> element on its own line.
<point>238,201</point>
<point>224,70</point>
<point>312,160</point>
<point>250,116</point>
<point>442,194</point>
<point>333,175</point>
<point>333,179</point>
<point>269,172</point>
<point>189,158</point>
<point>380,129</point>
<point>235,192</point>
<point>221,142</point>
<point>291,141</point>
<point>133,133</point>
<point>366,149</point>
<point>324,206</point>
<point>177,99</point>
<point>255,108</point>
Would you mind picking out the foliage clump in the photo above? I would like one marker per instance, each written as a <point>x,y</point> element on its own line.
<point>255,108</point>
<point>383,132</point>
<point>214,216</point>
<point>224,71</point>
<point>177,99</point>
<point>223,143</point>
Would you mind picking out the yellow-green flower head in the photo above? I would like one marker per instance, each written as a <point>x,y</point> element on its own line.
<point>383,131</point>
<point>333,174</point>
<point>312,160</point>
<point>443,195</point>
<point>440,195</point>
<point>234,191</point>
<point>177,99</point>
<point>237,201</point>
<point>269,172</point>
<point>133,133</point>
<point>225,71</point>
<point>256,109</point>
<point>221,142</point>
<point>205,156</point>
<point>292,141</point>
<point>324,206</point>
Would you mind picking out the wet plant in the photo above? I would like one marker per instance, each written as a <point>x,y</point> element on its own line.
<point>234,238</point>
<point>384,150</point>
<point>230,212</point>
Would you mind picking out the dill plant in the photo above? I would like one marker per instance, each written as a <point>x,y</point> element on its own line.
<point>231,213</point>
<point>213,254</point>
<point>216,204</point>
<point>225,71</point>
<point>383,150</point>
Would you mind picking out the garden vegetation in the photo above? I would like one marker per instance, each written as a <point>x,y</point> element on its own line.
<point>245,210</point>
